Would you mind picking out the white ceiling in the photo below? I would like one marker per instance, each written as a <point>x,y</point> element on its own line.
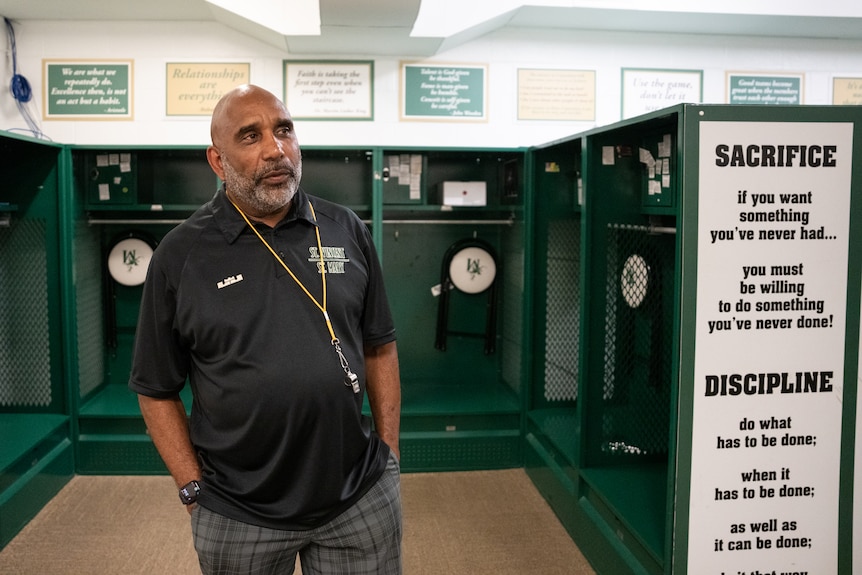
<point>383,27</point>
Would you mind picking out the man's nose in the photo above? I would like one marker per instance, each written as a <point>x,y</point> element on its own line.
<point>274,147</point>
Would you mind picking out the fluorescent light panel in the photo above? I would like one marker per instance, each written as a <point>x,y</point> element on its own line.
<point>286,17</point>
<point>444,18</point>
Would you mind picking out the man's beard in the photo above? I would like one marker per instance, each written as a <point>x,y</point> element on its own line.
<point>260,198</point>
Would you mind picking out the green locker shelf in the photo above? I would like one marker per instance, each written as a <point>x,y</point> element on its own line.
<point>48,466</point>
<point>113,439</point>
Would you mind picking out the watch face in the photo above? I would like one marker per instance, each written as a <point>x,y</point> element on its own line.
<point>189,492</point>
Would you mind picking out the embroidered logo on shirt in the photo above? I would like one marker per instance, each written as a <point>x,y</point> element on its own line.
<point>334,257</point>
<point>229,281</point>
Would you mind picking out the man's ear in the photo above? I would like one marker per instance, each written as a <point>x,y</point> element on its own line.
<point>215,160</point>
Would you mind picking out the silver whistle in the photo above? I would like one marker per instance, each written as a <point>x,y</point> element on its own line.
<point>351,380</point>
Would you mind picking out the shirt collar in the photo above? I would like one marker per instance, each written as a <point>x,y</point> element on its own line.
<point>232,223</point>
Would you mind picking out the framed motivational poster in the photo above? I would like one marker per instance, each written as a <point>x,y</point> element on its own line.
<point>194,88</point>
<point>764,89</point>
<point>454,92</point>
<point>329,89</point>
<point>647,90</point>
<point>87,89</point>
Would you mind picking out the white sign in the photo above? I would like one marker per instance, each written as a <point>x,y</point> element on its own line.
<point>772,260</point>
<point>857,474</point>
<point>650,90</point>
<point>329,90</point>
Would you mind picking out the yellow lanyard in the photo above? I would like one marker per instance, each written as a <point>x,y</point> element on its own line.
<point>350,379</point>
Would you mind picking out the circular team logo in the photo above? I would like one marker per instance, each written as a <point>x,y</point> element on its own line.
<point>129,260</point>
<point>472,270</point>
<point>634,280</point>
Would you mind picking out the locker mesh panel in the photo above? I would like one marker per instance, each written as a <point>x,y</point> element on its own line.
<point>119,457</point>
<point>462,452</point>
<point>89,302</point>
<point>512,301</point>
<point>25,354</point>
<point>562,331</point>
<point>637,359</point>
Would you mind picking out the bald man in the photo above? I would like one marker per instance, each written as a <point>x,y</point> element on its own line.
<point>270,303</point>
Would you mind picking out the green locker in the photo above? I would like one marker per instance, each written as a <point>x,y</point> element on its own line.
<point>461,402</point>
<point>36,455</point>
<point>608,329</point>
<point>639,458</point>
<point>464,422</point>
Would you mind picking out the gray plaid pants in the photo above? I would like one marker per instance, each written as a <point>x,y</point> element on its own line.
<point>364,540</point>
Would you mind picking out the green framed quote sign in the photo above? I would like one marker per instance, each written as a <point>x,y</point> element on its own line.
<point>87,89</point>
<point>444,92</point>
<point>764,89</point>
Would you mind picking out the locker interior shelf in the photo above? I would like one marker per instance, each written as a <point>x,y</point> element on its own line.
<point>635,495</point>
<point>561,427</point>
<point>23,433</point>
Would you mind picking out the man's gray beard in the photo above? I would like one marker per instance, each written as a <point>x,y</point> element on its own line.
<point>259,198</point>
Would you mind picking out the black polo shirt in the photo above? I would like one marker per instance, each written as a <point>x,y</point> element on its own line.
<point>281,438</point>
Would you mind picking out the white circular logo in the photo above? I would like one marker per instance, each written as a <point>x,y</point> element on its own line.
<point>634,280</point>
<point>129,260</point>
<point>472,270</point>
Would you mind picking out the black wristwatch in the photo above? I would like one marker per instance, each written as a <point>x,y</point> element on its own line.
<point>189,492</point>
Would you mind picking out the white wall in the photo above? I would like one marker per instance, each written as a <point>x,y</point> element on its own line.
<point>152,44</point>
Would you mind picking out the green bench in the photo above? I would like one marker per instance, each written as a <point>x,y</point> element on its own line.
<point>36,461</point>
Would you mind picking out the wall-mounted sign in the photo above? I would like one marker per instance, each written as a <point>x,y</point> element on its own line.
<point>847,91</point>
<point>558,95</point>
<point>764,89</point>
<point>773,246</point>
<point>647,90</point>
<point>87,89</point>
<point>444,92</point>
<point>329,90</point>
<point>194,88</point>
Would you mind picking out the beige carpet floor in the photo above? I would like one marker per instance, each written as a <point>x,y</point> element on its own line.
<point>470,523</point>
